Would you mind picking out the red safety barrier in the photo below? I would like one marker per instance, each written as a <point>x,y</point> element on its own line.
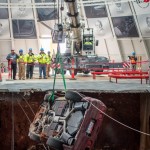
<point>9,71</point>
<point>129,75</point>
<point>72,70</point>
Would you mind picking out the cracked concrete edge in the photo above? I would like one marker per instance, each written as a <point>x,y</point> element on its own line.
<point>79,90</point>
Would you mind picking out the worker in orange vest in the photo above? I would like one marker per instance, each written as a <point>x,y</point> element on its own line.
<point>133,60</point>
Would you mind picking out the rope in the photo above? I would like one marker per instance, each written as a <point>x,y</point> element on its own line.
<point>24,111</point>
<point>141,132</point>
<point>44,146</point>
<point>28,104</point>
<point>12,140</point>
<point>119,121</point>
<point>27,115</point>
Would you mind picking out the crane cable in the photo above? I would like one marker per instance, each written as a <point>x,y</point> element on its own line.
<point>58,62</point>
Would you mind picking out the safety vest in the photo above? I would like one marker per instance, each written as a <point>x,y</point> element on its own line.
<point>42,58</point>
<point>30,58</point>
<point>49,59</point>
<point>133,61</point>
<point>88,43</point>
<point>21,59</point>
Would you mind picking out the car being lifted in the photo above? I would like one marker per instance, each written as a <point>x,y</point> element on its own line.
<point>72,122</point>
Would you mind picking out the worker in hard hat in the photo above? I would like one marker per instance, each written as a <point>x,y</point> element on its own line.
<point>133,60</point>
<point>88,41</point>
<point>21,64</point>
<point>48,67</point>
<point>42,59</point>
<point>30,58</point>
<point>12,63</point>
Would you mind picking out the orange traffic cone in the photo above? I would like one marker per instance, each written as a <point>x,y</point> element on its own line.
<point>72,70</point>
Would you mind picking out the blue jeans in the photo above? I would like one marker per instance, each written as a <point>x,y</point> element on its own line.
<point>29,71</point>
<point>42,68</point>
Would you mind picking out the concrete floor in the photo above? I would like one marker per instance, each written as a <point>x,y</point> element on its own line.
<point>83,82</point>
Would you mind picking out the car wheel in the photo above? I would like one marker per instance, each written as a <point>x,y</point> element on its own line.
<point>34,137</point>
<point>75,72</point>
<point>55,143</point>
<point>86,72</point>
<point>73,96</point>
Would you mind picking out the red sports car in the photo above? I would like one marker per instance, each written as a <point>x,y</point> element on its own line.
<point>70,123</point>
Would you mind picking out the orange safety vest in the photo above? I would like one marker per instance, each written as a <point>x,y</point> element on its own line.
<point>133,61</point>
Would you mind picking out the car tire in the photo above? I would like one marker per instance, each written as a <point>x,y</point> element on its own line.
<point>55,143</point>
<point>75,72</point>
<point>34,137</point>
<point>86,72</point>
<point>73,96</point>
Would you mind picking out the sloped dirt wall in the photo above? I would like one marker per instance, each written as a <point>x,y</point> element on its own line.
<point>125,107</point>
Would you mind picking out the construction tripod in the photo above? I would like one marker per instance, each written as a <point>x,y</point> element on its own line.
<point>58,62</point>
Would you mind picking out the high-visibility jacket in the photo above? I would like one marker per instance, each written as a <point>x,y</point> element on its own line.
<point>21,59</point>
<point>49,59</point>
<point>30,58</point>
<point>88,43</point>
<point>42,58</point>
<point>133,60</point>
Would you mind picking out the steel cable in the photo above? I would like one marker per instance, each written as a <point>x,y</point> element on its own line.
<point>141,132</point>
<point>28,104</point>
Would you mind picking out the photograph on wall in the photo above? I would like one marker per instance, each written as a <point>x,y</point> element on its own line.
<point>95,10</point>
<point>4,13</point>
<point>125,27</point>
<point>118,8</point>
<point>20,1</point>
<point>47,14</point>
<point>142,7</point>
<point>22,12</point>
<point>144,24</point>
<point>4,29</point>
<point>24,29</point>
<point>43,1</point>
<point>101,27</point>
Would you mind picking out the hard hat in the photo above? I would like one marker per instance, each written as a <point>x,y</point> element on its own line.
<point>42,49</point>
<point>30,49</point>
<point>21,51</point>
<point>133,53</point>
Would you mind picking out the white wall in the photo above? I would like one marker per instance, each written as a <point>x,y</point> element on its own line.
<point>101,49</point>
<point>26,44</point>
<point>126,48</point>
<point>5,48</point>
<point>113,49</point>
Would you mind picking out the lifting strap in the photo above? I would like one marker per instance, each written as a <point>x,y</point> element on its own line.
<point>58,61</point>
